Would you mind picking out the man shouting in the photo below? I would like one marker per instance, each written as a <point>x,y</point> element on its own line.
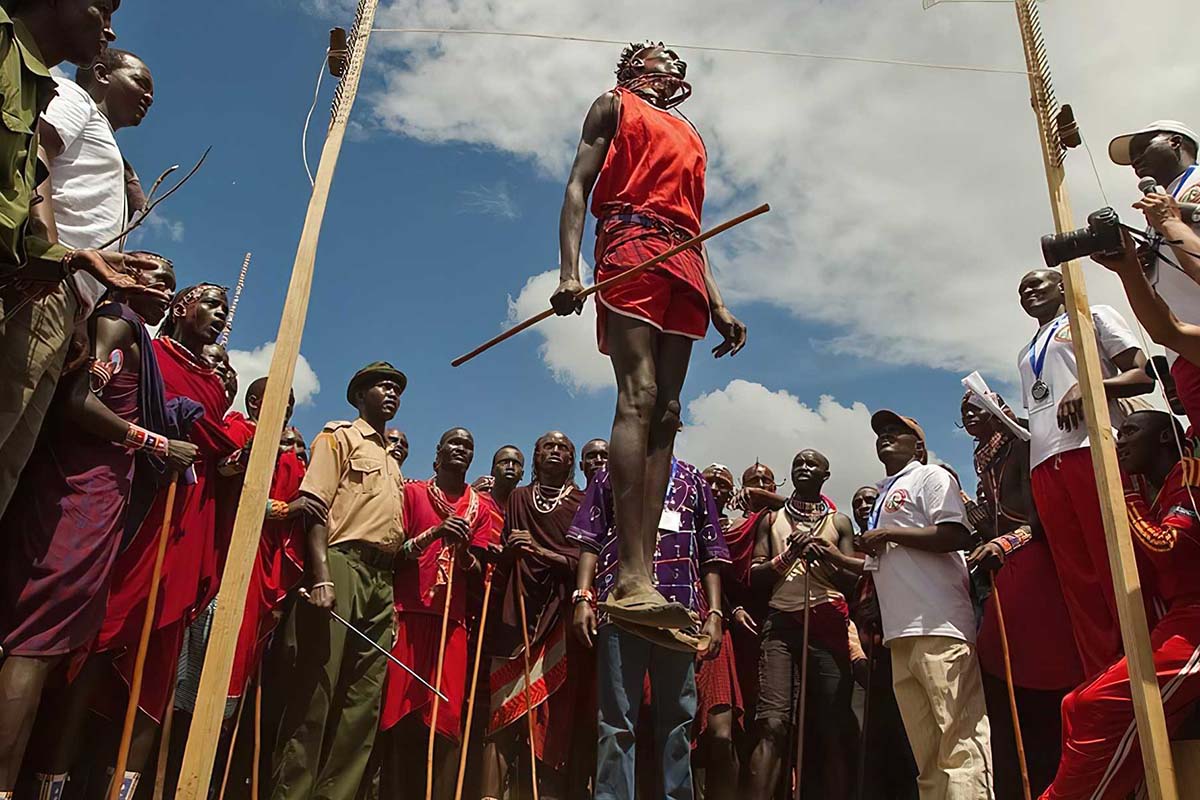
<point>644,168</point>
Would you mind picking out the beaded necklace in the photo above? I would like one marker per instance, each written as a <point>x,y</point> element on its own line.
<point>546,498</point>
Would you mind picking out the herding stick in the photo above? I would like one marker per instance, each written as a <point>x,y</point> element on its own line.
<point>803,684</point>
<point>462,759</point>
<point>1012,694</point>
<point>528,702</point>
<point>438,679</point>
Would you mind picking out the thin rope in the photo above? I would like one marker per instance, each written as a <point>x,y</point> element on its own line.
<point>1096,172</point>
<point>713,49</point>
<point>309,116</point>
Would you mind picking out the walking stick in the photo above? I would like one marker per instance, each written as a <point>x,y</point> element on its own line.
<point>237,726</point>
<point>862,744</point>
<point>528,703</point>
<point>1012,695</point>
<point>462,758</point>
<point>164,749</point>
<point>139,661</point>
<point>803,685</point>
<point>615,280</point>
<point>257,734</point>
<point>437,681</point>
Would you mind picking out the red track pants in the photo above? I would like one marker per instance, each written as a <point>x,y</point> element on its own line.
<point>1101,759</point>
<point>1064,488</point>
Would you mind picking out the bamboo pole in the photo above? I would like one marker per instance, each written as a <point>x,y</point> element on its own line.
<point>196,771</point>
<point>1147,700</point>
<point>164,749</point>
<point>139,659</point>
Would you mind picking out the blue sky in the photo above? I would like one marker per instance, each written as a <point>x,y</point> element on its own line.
<point>447,194</point>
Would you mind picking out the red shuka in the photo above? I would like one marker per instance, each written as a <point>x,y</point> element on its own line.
<point>655,166</point>
<point>195,551</point>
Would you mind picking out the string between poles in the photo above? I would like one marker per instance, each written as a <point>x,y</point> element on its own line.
<point>713,49</point>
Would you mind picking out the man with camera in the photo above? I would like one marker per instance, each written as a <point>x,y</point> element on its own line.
<point>1165,152</point>
<point>1064,486</point>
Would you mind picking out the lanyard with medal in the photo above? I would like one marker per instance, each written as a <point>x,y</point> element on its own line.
<point>871,562</point>
<point>1037,359</point>
<point>671,519</point>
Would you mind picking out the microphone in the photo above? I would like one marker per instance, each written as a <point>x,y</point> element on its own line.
<point>1189,211</point>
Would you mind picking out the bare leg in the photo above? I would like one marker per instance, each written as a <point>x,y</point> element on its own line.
<point>496,757</point>
<point>59,732</point>
<point>720,759</point>
<point>765,760</point>
<point>632,346</point>
<point>21,682</point>
<point>671,358</point>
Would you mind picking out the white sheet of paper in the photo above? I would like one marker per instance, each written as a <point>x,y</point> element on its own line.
<point>670,521</point>
<point>978,385</point>
<point>871,563</point>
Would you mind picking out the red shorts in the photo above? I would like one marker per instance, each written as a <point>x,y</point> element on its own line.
<point>670,296</point>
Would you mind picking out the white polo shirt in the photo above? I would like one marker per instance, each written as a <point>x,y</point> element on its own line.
<point>88,177</point>
<point>921,593</point>
<point>1052,344</point>
<point>1179,291</point>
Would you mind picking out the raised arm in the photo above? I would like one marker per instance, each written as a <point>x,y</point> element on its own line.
<point>599,128</point>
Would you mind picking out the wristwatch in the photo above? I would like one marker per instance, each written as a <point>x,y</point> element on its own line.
<point>583,594</point>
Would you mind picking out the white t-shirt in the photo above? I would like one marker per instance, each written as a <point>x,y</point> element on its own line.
<point>1179,291</point>
<point>88,178</point>
<point>920,593</point>
<point>1060,373</point>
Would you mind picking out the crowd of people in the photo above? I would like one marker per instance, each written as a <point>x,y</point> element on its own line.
<point>622,624</point>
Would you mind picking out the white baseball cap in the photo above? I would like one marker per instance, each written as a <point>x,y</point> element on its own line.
<point>1118,148</point>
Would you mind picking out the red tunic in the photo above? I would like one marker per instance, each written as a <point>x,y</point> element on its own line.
<point>420,597</point>
<point>280,562</point>
<point>655,165</point>
<point>195,552</point>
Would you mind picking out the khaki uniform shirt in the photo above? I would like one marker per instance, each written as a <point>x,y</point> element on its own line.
<point>26,88</point>
<point>360,483</point>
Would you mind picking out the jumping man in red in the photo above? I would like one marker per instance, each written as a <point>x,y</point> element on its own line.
<point>1101,757</point>
<point>645,168</point>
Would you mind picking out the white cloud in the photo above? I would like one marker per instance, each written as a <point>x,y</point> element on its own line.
<point>747,422</point>
<point>495,200</point>
<point>157,226</point>
<point>568,343</point>
<point>907,202</point>
<point>254,364</point>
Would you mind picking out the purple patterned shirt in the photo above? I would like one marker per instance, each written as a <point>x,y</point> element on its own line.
<point>678,556</point>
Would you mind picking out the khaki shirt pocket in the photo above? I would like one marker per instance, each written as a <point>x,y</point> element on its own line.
<point>366,475</point>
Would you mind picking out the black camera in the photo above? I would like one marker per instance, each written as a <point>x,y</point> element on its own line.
<point>1102,235</point>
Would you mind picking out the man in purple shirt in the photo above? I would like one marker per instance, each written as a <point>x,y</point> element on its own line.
<point>688,557</point>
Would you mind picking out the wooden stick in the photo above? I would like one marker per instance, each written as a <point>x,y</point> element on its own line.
<point>803,685</point>
<point>437,681</point>
<point>164,748</point>
<point>528,697</point>
<point>462,758</point>
<point>196,771</point>
<point>615,280</point>
<point>1012,693</point>
<point>862,746</point>
<point>139,661</point>
<point>237,726</point>
<point>254,768</point>
<point>1143,678</point>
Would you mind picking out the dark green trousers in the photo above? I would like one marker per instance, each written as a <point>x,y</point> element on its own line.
<point>331,711</point>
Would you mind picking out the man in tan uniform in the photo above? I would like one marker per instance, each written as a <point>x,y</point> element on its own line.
<point>331,712</point>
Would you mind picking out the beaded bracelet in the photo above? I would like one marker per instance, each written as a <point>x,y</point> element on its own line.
<point>276,509</point>
<point>316,586</point>
<point>138,438</point>
<point>782,562</point>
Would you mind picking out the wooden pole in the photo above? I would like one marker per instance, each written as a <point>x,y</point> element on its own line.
<point>800,701</point>
<point>223,339</point>
<point>866,724</point>
<point>533,779</point>
<point>254,767</point>
<point>437,680</point>
<point>164,749</point>
<point>139,660</point>
<point>196,771</point>
<point>462,758</point>
<point>1147,700</point>
<point>627,275</point>
<point>237,726</point>
<point>1012,693</point>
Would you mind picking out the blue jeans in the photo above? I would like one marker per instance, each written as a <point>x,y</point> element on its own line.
<point>624,659</point>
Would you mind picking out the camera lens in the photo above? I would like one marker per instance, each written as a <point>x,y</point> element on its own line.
<point>1058,248</point>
